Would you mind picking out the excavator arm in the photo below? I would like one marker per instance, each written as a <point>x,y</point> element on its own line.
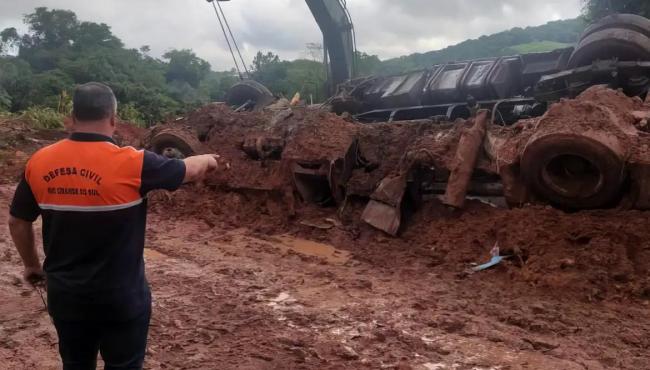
<point>338,36</point>
<point>335,23</point>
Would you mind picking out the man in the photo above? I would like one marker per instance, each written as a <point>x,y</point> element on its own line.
<point>91,195</point>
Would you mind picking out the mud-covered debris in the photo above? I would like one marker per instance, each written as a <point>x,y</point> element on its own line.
<point>347,353</point>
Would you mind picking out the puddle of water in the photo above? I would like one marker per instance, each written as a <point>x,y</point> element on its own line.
<point>171,266</point>
<point>311,248</point>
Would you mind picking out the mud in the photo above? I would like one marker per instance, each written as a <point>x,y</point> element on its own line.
<point>312,136</point>
<point>570,278</point>
<point>236,287</point>
<point>596,109</point>
<point>243,280</point>
<point>128,134</point>
<point>17,143</point>
<point>386,148</point>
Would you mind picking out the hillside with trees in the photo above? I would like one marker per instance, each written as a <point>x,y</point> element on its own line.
<point>548,37</point>
<point>40,67</point>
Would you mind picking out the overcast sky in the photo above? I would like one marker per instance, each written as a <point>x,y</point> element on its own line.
<point>388,28</point>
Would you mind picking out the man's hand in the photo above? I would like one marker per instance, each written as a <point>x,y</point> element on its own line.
<point>197,167</point>
<point>213,162</point>
<point>34,275</point>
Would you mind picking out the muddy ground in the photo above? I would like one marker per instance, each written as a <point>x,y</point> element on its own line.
<point>238,284</point>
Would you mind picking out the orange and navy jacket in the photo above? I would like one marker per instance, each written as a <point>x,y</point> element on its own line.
<point>91,195</point>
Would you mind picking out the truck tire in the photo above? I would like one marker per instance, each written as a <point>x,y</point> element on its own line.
<point>574,171</point>
<point>249,91</point>
<point>175,139</point>
<point>619,43</point>
<point>630,22</point>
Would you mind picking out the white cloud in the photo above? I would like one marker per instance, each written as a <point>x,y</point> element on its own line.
<point>387,28</point>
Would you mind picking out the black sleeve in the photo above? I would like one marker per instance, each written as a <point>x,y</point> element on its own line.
<point>24,205</point>
<point>159,172</point>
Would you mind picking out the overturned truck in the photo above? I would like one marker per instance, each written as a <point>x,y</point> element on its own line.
<point>584,153</point>
<point>614,51</point>
<point>567,128</point>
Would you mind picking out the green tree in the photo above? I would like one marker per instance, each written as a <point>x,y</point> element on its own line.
<point>49,38</point>
<point>5,100</point>
<point>58,52</point>
<point>306,77</point>
<point>263,62</point>
<point>185,66</point>
<point>596,9</point>
<point>90,35</point>
<point>47,87</point>
<point>50,28</point>
<point>130,113</point>
<point>270,71</point>
<point>367,64</point>
<point>215,87</point>
<point>16,80</point>
<point>9,39</point>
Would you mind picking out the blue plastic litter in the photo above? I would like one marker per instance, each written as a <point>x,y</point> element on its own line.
<point>493,262</point>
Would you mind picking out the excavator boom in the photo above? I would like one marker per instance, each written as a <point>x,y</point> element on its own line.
<point>339,44</point>
<point>338,37</point>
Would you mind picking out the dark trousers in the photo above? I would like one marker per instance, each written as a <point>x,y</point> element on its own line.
<point>122,344</point>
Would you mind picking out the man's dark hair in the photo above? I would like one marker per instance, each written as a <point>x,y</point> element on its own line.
<point>93,102</point>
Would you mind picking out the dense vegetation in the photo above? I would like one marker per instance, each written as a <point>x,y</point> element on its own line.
<point>59,51</point>
<point>40,68</point>
<point>286,78</point>
<point>514,41</point>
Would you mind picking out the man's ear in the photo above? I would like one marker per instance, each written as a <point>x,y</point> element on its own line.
<point>113,119</point>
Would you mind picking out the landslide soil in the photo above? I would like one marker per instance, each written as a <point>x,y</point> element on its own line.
<point>238,284</point>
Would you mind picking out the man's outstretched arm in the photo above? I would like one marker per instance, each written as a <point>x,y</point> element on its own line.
<point>198,166</point>
<point>159,172</point>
